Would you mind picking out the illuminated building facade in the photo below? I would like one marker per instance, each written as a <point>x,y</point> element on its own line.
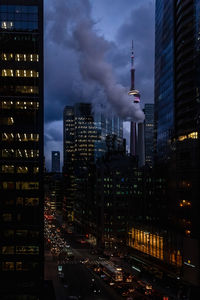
<point>21,149</point>
<point>55,159</point>
<point>85,133</point>
<point>85,136</point>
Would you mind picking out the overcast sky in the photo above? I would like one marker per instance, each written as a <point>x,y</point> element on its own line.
<point>85,39</point>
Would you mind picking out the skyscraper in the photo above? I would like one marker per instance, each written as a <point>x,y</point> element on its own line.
<point>177,114</point>
<point>55,160</point>
<point>85,140</point>
<point>21,149</point>
<point>149,133</point>
<point>187,133</point>
<point>85,133</point>
<point>164,77</point>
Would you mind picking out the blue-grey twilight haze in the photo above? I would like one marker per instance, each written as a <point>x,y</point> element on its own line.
<point>87,58</point>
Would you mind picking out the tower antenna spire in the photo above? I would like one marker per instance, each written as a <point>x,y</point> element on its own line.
<point>132,56</point>
<point>132,68</point>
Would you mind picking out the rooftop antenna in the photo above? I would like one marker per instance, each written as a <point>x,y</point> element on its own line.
<point>132,68</point>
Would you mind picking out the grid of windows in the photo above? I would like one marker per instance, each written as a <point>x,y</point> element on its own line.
<point>19,73</point>
<point>19,57</point>
<point>21,154</point>
<point>19,17</point>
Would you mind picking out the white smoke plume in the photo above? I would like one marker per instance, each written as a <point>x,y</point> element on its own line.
<point>70,25</point>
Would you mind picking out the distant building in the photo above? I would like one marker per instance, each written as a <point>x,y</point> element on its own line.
<point>55,159</point>
<point>86,134</point>
<point>149,133</point>
<point>53,184</point>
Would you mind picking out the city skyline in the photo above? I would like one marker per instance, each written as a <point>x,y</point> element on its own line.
<point>99,177</point>
<point>73,89</point>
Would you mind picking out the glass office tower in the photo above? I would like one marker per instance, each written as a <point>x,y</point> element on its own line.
<point>164,77</point>
<point>177,118</point>
<point>85,139</point>
<point>21,149</point>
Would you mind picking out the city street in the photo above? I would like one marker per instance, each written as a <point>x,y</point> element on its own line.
<point>77,276</point>
<point>77,281</point>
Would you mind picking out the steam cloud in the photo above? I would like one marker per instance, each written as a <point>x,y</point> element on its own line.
<point>70,25</point>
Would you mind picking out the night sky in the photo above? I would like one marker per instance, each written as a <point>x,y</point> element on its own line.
<point>87,58</point>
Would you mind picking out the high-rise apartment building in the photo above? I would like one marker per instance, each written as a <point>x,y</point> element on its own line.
<point>21,149</point>
<point>177,115</point>
<point>55,160</point>
<point>149,133</point>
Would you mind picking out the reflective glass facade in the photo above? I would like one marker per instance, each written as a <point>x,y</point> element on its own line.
<point>178,56</point>
<point>21,149</point>
<point>19,17</point>
<point>164,76</point>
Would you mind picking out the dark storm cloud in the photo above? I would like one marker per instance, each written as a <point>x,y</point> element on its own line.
<point>78,33</point>
<point>71,75</point>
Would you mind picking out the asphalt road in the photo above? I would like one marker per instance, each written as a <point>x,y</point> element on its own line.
<point>79,281</point>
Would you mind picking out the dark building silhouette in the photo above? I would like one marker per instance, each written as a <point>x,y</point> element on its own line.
<point>86,134</point>
<point>21,149</point>
<point>149,133</point>
<point>53,188</point>
<point>177,111</point>
<point>55,160</point>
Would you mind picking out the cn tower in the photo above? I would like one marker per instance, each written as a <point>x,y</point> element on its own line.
<point>136,99</point>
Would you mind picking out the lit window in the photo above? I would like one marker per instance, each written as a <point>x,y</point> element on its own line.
<point>8,185</point>
<point>22,169</point>
<point>193,135</point>
<point>7,217</point>
<point>7,121</point>
<point>25,73</point>
<point>36,170</point>
<point>27,250</point>
<point>26,57</point>
<point>7,169</point>
<point>182,138</point>
<point>8,266</point>
<point>25,137</point>
<point>31,201</point>
<point>7,250</point>
<point>27,89</point>
<point>27,185</point>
